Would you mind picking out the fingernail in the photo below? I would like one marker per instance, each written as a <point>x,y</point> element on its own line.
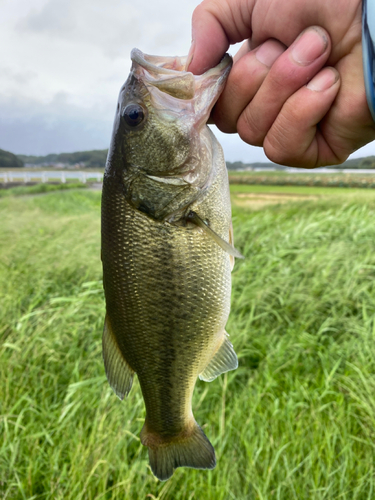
<point>311,44</point>
<point>190,55</point>
<point>268,52</point>
<point>324,80</point>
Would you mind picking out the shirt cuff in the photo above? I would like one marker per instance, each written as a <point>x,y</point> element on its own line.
<point>368,48</point>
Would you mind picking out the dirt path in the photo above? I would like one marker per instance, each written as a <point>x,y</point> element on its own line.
<point>260,200</point>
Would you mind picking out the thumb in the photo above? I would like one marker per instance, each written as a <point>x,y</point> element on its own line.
<point>215,25</point>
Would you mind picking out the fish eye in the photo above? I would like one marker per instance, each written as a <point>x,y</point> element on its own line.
<point>133,115</point>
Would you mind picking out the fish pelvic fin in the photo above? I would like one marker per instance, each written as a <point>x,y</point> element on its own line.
<point>119,373</point>
<point>224,360</point>
<point>190,448</point>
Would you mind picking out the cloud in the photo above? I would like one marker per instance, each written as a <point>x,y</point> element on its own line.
<point>65,61</point>
<point>54,18</point>
<point>40,138</point>
<point>30,127</point>
<point>111,26</point>
<point>19,78</point>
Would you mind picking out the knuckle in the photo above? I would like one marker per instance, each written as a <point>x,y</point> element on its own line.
<point>247,73</point>
<point>248,129</point>
<point>282,77</point>
<point>279,147</point>
<point>210,7</point>
<point>276,155</point>
<point>197,12</point>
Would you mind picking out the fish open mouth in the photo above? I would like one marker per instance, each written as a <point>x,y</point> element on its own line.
<point>158,64</point>
<point>169,75</point>
<point>170,65</point>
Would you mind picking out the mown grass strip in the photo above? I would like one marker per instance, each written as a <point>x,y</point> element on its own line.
<point>40,188</point>
<point>316,179</point>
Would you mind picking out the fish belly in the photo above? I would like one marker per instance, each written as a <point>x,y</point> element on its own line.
<point>168,297</point>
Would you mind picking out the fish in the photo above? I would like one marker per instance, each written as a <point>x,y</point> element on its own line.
<point>167,253</point>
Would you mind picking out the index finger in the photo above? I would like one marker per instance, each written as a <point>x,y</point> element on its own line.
<point>215,25</point>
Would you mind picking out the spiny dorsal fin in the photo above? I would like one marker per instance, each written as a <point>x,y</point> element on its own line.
<point>224,360</point>
<point>227,247</point>
<point>119,373</point>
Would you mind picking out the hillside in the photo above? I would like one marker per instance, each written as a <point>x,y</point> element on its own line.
<point>9,160</point>
<point>85,159</point>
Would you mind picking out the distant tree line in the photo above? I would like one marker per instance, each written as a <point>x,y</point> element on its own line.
<point>86,159</point>
<point>97,159</point>
<point>9,160</point>
<point>368,162</point>
<point>239,165</point>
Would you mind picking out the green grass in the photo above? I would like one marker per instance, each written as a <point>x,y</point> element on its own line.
<point>295,421</point>
<point>306,178</point>
<point>316,191</point>
<point>300,173</point>
<point>39,188</point>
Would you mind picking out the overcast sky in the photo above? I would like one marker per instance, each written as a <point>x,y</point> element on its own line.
<point>62,63</point>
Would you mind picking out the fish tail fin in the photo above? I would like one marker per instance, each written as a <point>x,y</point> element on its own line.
<point>190,448</point>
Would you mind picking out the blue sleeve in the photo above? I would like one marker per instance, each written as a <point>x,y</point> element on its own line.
<point>368,39</point>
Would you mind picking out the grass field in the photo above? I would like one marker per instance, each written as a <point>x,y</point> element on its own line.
<point>39,188</point>
<point>295,421</point>
<point>305,178</point>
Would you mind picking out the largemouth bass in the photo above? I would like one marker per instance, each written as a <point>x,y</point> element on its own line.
<point>167,252</point>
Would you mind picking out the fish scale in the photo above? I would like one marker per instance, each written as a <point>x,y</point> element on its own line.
<point>167,276</point>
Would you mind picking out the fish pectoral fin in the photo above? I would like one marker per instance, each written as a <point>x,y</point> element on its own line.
<point>119,373</point>
<point>231,242</point>
<point>227,247</point>
<point>224,360</point>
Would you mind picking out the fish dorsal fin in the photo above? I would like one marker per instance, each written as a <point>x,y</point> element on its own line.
<point>180,86</point>
<point>227,247</point>
<point>224,360</point>
<point>119,373</point>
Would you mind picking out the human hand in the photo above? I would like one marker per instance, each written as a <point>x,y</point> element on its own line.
<point>296,87</point>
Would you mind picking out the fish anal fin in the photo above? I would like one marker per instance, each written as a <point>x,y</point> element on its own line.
<point>119,373</point>
<point>224,360</point>
<point>190,448</point>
